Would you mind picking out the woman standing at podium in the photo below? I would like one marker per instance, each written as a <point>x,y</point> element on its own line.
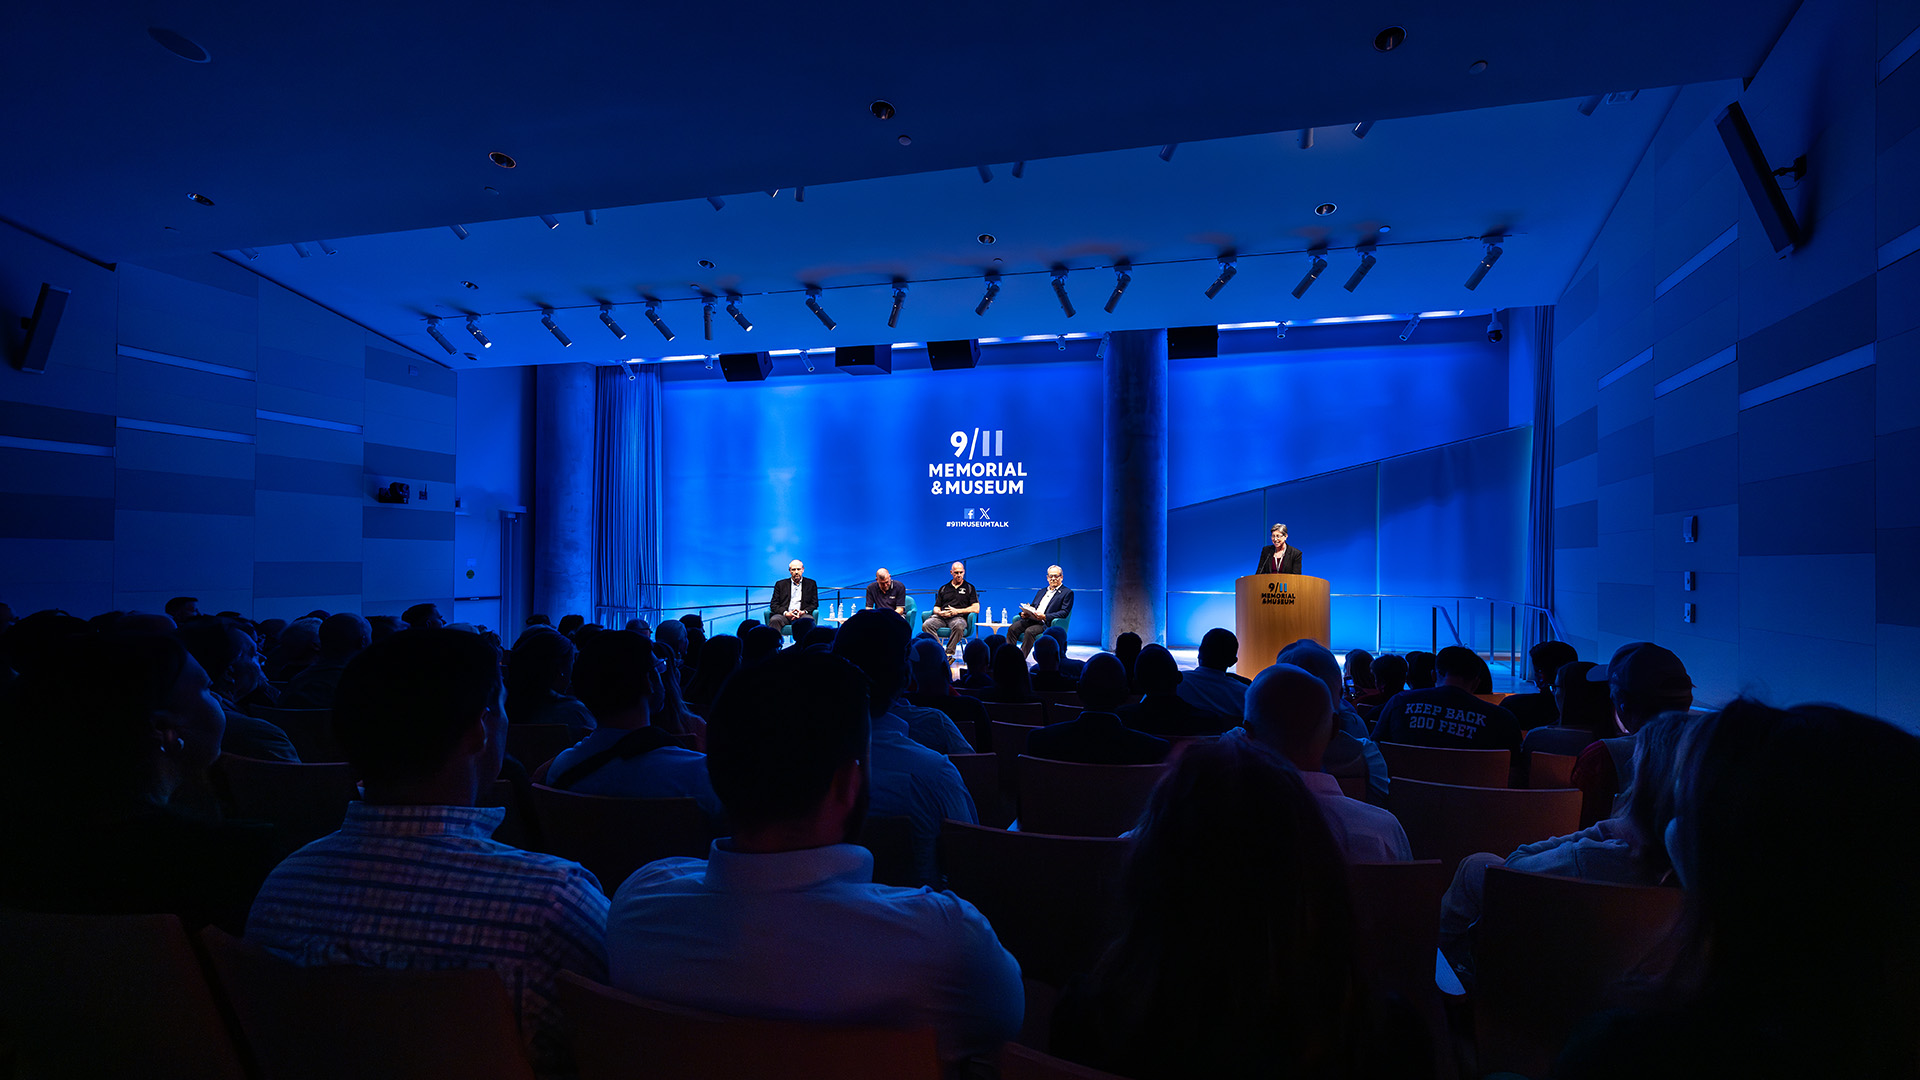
<point>1277,557</point>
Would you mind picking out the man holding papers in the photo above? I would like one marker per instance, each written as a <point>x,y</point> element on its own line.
<point>1053,602</point>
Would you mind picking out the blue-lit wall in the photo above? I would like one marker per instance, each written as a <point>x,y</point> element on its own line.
<point>1770,398</point>
<point>200,431</point>
<point>1393,463</point>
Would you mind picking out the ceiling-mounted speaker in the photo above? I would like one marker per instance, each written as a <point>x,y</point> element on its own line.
<point>864,359</point>
<point>1756,175</point>
<point>745,366</point>
<point>1192,342</point>
<point>40,330</point>
<point>953,355</point>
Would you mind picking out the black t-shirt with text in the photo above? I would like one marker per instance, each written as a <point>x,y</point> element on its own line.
<point>956,596</point>
<point>1447,717</point>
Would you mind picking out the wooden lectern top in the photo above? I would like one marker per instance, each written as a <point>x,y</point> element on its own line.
<point>1272,611</point>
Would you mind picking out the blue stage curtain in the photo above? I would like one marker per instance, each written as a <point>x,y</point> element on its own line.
<point>1540,493</point>
<point>626,505</point>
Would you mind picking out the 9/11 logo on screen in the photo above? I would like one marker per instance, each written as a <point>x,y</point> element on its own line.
<point>979,467</point>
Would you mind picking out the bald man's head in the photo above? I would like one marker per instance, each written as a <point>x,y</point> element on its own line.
<point>1290,710</point>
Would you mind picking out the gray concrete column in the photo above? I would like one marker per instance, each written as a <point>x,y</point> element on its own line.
<point>563,492</point>
<point>1133,540</point>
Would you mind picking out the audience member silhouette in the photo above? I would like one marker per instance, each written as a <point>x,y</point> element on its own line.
<point>783,919</point>
<point>758,643</point>
<point>1450,715</point>
<point>1798,955</point>
<point>182,608</point>
<point>908,779</point>
<point>570,624</point>
<point>423,617</point>
<point>719,658</point>
<point>1643,680</point>
<point>382,627</point>
<point>1238,953</point>
<point>1098,735</point>
<point>1389,677</point>
<point>1127,648</point>
<point>745,625</point>
<point>1046,676</point>
<point>539,674</point>
<point>297,647</point>
<point>1537,709</point>
<point>1212,688</point>
<point>1068,666</point>
<point>673,634</point>
<point>1420,670</point>
<point>1583,709</point>
<point>625,755</point>
<point>413,879</point>
<point>1290,711</point>
<point>819,636</point>
<point>1350,753</point>
<point>670,712</point>
<point>226,653</point>
<point>1011,682</point>
<point>1161,710</point>
<point>342,637</point>
<point>1360,681</point>
<point>933,689</point>
<point>977,663</point>
<point>113,736</point>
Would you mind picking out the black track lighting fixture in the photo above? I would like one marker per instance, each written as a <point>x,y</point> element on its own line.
<point>1496,330</point>
<point>1122,277</point>
<point>1314,270</point>
<point>459,231</point>
<point>1306,138</point>
<point>653,316</point>
<point>733,309</point>
<point>706,316</point>
<point>1367,260</point>
<point>1166,152</point>
<point>899,301</point>
<point>1360,129</point>
<point>1060,290</point>
<point>1486,263</point>
<point>250,253</point>
<point>813,305</point>
<point>993,290</point>
<point>1227,270</point>
<point>986,173</point>
<point>606,316</point>
<point>549,221</point>
<point>1412,323</point>
<point>592,217</point>
<point>716,202</point>
<point>1019,169</point>
<point>473,327</point>
<point>559,335</point>
<point>440,339</point>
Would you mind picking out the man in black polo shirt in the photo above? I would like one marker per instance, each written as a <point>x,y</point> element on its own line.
<point>951,605</point>
<point>1449,715</point>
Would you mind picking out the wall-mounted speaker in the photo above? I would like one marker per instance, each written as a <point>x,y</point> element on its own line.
<point>1756,176</point>
<point>864,359</point>
<point>45,323</point>
<point>1192,342</point>
<point>745,366</point>
<point>953,355</point>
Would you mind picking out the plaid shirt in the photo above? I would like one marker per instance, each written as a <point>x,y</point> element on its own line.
<point>425,887</point>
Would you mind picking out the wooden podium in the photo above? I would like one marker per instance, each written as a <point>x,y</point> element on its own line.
<point>1272,611</point>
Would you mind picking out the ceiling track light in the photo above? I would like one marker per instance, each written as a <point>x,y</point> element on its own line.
<point>473,327</point>
<point>250,253</point>
<point>1060,341</point>
<point>1166,152</point>
<point>1411,323</point>
<point>1486,263</point>
<point>1280,331</point>
<point>1060,292</point>
<point>1306,138</point>
<point>1367,260</point>
<point>459,231</point>
<point>592,217</point>
<point>1019,169</point>
<point>1314,269</point>
<point>440,339</point>
<point>1587,105</point>
<point>813,305</point>
<point>301,250</point>
<point>800,193</point>
<point>806,356</point>
<point>325,248</point>
<point>631,365</point>
<point>1360,129</point>
<point>606,316</point>
<point>1496,330</point>
<point>653,316</point>
<point>716,202</point>
<point>993,290</point>
<point>550,221</point>
<point>1227,270</point>
<point>553,328</point>
<point>899,301</point>
<point>986,173</point>
<point>733,309</point>
<point>1122,277</point>
<point>706,317</point>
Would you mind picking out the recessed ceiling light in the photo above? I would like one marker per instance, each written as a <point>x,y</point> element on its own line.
<point>1325,208</point>
<point>906,140</point>
<point>469,284</point>
<point>491,190</point>
<point>882,110</point>
<point>1478,67</point>
<point>1384,229</point>
<point>986,238</point>
<point>706,264</point>
<point>505,161</point>
<point>178,44</point>
<point>1390,39</point>
<point>199,198</point>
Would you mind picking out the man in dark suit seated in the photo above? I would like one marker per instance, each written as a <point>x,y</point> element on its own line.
<point>795,597</point>
<point>1277,557</point>
<point>1161,710</point>
<point>1097,736</point>
<point>1055,601</point>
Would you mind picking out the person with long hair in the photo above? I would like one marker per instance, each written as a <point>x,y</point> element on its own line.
<point>1237,953</point>
<point>1798,953</point>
